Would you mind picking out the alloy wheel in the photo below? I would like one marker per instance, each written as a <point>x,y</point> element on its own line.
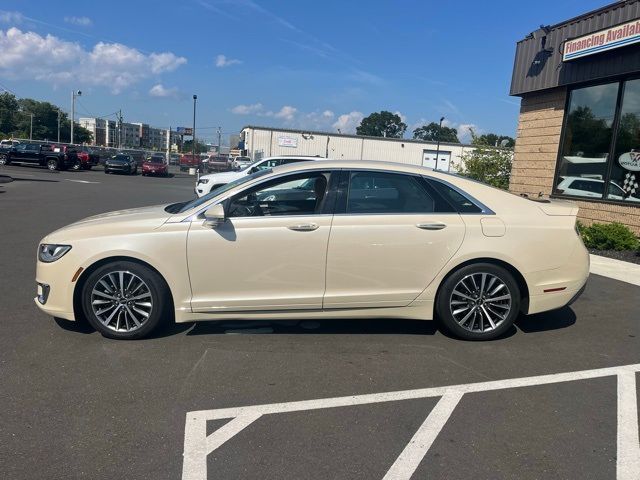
<point>121,301</point>
<point>480,302</point>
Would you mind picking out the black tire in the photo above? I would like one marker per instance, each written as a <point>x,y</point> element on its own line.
<point>106,171</point>
<point>157,287</point>
<point>4,159</point>
<point>52,164</point>
<point>77,166</point>
<point>87,167</point>
<point>470,329</point>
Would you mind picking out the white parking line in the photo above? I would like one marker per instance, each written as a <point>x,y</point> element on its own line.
<point>79,181</point>
<point>197,444</point>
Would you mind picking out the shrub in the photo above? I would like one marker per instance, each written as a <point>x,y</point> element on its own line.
<point>608,236</point>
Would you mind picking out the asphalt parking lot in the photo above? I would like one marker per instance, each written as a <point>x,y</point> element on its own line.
<point>76,405</point>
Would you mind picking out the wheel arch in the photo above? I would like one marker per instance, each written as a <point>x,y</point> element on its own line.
<point>79,284</point>
<point>518,277</point>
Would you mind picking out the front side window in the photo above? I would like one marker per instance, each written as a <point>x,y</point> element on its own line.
<point>387,193</point>
<point>625,168</point>
<point>300,194</point>
<point>587,137</point>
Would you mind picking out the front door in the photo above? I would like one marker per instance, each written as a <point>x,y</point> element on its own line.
<point>270,253</point>
<point>389,239</point>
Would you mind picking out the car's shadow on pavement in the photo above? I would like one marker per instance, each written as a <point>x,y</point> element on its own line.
<point>555,320</point>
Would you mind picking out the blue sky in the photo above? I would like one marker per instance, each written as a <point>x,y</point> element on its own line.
<point>313,65</point>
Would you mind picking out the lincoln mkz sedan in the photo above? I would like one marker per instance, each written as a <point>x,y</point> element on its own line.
<point>322,239</point>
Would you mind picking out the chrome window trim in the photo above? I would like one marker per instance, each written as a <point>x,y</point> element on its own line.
<point>484,209</point>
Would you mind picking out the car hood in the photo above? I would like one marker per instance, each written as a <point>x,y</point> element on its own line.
<point>118,162</point>
<point>112,223</point>
<point>224,177</point>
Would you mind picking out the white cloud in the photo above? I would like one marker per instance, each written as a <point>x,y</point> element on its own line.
<point>14,18</point>
<point>464,131</point>
<point>328,114</point>
<point>348,122</point>
<point>80,21</point>
<point>285,113</point>
<point>247,109</point>
<point>403,118</point>
<point>222,61</point>
<point>161,91</point>
<point>51,59</point>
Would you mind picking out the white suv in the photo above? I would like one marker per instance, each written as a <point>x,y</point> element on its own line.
<point>206,183</point>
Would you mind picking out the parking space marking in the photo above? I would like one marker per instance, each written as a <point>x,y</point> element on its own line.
<point>197,444</point>
<point>79,181</point>
<point>628,463</point>
<point>410,458</point>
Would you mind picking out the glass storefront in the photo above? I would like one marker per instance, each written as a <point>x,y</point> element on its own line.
<point>600,154</point>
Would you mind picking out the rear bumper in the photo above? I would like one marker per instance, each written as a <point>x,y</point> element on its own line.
<point>552,289</point>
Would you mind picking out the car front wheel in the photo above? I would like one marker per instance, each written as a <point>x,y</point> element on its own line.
<point>478,302</point>
<point>52,164</point>
<point>4,160</point>
<point>125,300</point>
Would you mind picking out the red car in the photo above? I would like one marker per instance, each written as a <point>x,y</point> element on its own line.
<point>188,160</point>
<point>155,165</point>
<point>81,157</point>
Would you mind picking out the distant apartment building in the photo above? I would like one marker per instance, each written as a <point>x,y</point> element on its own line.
<point>107,133</point>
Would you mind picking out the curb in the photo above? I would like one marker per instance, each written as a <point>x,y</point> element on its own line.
<point>616,269</point>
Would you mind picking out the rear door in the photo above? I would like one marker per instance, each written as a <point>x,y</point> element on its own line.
<point>390,237</point>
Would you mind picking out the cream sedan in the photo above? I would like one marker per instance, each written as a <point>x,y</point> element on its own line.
<point>322,239</point>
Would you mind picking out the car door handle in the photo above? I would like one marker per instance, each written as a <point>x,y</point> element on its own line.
<point>304,227</point>
<point>431,226</point>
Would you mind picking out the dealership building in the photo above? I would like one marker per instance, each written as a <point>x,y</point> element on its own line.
<point>259,142</point>
<point>579,125</point>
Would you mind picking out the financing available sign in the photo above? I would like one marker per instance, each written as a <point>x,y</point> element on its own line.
<point>290,142</point>
<point>608,39</point>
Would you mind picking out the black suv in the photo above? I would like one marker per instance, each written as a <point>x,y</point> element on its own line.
<point>37,154</point>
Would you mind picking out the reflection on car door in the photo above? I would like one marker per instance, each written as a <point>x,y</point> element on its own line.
<point>389,239</point>
<point>270,253</point>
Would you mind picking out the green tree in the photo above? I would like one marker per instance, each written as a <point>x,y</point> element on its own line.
<point>433,132</point>
<point>382,124</point>
<point>493,140</point>
<point>200,147</point>
<point>45,123</point>
<point>8,109</point>
<point>487,164</point>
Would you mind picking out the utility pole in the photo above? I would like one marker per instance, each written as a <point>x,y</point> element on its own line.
<point>31,127</point>
<point>193,144</point>
<point>58,125</point>
<point>74,94</point>
<point>219,142</point>
<point>438,140</point>
<point>119,129</point>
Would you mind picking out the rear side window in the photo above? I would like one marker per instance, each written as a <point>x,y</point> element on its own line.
<point>461,203</point>
<point>381,192</point>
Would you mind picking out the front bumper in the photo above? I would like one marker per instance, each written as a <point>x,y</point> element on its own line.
<point>118,168</point>
<point>54,294</point>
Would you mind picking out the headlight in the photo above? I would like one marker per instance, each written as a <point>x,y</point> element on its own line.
<point>48,253</point>
<point>203,181</point>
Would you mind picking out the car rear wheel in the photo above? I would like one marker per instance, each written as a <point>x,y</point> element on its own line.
<point>478,302</point>
<point>77,165</point>
<point>52,164</point>
<point>125,300</point>
<point>4,160</point>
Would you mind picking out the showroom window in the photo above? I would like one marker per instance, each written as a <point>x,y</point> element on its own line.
<point>600,154</point>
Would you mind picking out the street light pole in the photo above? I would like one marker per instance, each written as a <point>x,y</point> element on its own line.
<point>31,127</point>
<point>74,94</point>
<point>438,142</point>
<point>58,125</point>
<point>193,144</point>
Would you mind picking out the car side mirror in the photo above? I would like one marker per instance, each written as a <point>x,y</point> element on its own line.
<point>214,216</point>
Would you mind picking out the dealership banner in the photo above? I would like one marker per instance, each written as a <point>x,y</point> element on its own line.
<point>608,39</point>
<point>290,142</point>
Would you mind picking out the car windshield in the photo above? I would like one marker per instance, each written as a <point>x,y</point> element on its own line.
<point>156,160</point>
<point>183,207</point>
<point>124,158</point>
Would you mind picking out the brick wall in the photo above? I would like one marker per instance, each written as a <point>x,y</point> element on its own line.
<point>536,151</point>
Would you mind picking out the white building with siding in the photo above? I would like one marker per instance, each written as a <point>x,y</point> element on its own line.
<point>260,142</point>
